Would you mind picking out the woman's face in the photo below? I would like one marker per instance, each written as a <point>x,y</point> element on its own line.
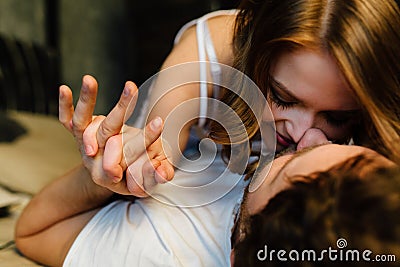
<point>307,90</point>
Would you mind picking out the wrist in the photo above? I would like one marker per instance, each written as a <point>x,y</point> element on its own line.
<point>95,194</point>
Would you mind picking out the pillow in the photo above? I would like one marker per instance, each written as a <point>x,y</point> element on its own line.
<point>46,151</point>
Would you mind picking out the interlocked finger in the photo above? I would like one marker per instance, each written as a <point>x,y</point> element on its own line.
<point>112,159</point>
<point>136,141</point>
<point>134,178</point>
<point>89,135</point>
<point>113,123</point>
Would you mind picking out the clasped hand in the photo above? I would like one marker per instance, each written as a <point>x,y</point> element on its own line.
<point>109,148</point>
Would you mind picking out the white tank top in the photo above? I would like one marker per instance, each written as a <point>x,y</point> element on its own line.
<point>151,231</point>
<point>206,53</point>
<point>186,222</point>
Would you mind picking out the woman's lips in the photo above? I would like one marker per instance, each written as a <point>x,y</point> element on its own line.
<point>283,141</point>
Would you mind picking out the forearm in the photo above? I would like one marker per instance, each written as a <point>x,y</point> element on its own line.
<point>65,197</point>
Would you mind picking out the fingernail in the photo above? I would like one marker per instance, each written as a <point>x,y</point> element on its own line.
<point>85,88</point>
<point>89,150</point>
<point>156,124</point>
<point>126,91</point>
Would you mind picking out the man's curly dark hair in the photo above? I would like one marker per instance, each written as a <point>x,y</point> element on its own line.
<point>319,210</point>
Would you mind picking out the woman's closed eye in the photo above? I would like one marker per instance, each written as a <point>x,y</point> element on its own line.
<point>277,99</point>
<point>281,97</point>
<point>340,118</point>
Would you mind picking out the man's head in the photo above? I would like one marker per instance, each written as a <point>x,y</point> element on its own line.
<point>313,199</point>
<point>304,163</point>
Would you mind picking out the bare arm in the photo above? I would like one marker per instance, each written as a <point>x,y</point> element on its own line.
<point>52,220</point>
<point>221,29</point>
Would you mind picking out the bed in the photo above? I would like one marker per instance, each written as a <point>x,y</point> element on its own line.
<point>34,146</point>
<point>43,152</point>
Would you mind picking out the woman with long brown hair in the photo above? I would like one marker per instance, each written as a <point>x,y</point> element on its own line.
<point>360,38</point>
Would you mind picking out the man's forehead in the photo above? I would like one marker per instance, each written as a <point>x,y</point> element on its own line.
<point>290,156</point>
<point>324,157</point>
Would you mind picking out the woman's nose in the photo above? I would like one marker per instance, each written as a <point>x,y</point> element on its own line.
<point>298,124</point>
<point>312,137</point>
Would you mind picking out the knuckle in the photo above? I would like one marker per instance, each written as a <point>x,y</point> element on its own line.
<point>77,126</point>
<point>122,105</point>
<point>114,140</point>
<point>105,130</point>
<point>108,167</point>
<point>85,97</point>
<point>149,135</point>
<point>149,138</point>
<point>132,152</point>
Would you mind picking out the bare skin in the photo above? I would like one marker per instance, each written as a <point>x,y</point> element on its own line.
<point>57,214</point>
<point>87,188</point>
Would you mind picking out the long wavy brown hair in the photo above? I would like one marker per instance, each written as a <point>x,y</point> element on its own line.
<point>363,36</point>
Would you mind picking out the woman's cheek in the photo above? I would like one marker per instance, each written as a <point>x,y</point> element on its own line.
<point>338,134</point>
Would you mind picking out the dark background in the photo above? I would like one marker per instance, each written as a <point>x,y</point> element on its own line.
<point>114,40</point>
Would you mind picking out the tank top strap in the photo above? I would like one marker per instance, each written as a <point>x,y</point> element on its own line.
<point>206,53</point>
